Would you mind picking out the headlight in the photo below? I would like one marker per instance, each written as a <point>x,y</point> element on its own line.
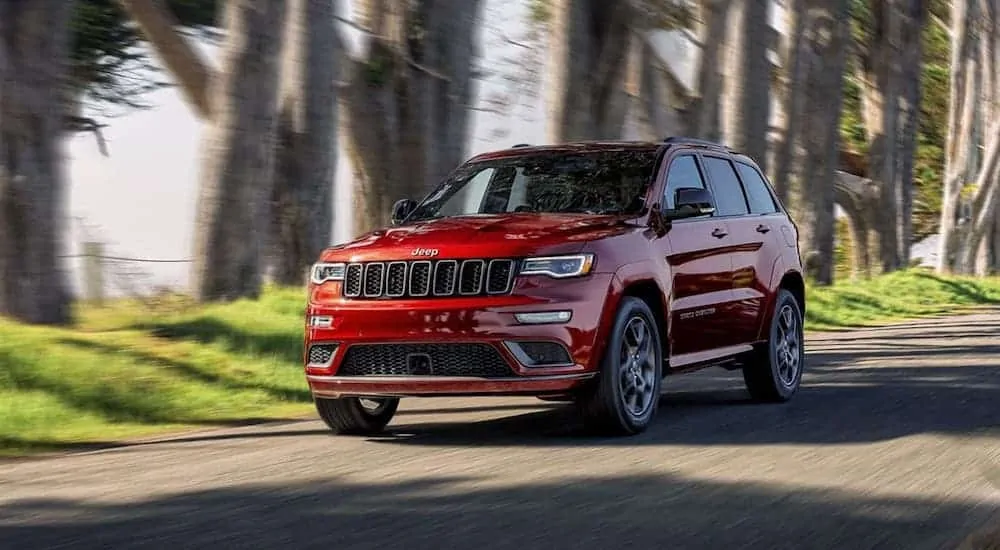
<point>323,272</point>
<point>558,266</point>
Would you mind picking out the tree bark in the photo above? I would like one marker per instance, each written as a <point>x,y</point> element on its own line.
<point>747,85</point>
<point>238,154</point>
<point>406,106</point>
<point>33,59</point>
<point>912,14</point>
<point>823,57</point>
<point>791,98</point>
<point>302,196</point>
<point>590,38</point>
<point>964,86</point>
<point>704,114</point>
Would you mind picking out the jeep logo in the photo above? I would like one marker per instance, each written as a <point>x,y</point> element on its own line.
<point>424,252</point>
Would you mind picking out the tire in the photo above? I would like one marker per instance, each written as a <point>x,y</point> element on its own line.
<point>351,416</point>
<point>775,374</point>
<point>624,397</point>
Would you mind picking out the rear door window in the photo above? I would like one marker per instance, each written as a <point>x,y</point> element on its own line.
<point>760,198</point>
<point>729,197</point>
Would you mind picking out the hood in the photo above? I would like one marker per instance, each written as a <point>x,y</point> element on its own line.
<point>483,235</point>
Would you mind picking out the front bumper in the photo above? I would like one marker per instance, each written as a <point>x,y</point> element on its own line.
<point>369,328</point>
<point>441,386</point>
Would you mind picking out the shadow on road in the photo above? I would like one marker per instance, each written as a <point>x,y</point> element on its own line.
<point>647,512</point>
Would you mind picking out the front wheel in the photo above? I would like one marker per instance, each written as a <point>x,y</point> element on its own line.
<point>357,415</point>
<point>776,372</point>
<point>625,396</point>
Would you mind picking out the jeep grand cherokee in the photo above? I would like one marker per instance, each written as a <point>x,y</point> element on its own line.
<point>583,272</point>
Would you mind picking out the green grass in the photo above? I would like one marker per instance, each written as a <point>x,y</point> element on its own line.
<point>139,368</point>
<point>894,297</point>
<point>130,370</point>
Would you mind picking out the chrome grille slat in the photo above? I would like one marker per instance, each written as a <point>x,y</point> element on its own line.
<point>499,276</point>
<point>429,278</point>
<point>445,273</point>
<point>374,282</point>
<point>471,277</point>
<point>353,280</point>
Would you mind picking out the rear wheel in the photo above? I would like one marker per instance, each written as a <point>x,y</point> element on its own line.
<point>776,372</point>
<point>357,415</point>
<point>625,396</point>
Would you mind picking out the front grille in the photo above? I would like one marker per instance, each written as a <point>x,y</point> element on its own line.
<point>429,278</point>
<point>463,359</point>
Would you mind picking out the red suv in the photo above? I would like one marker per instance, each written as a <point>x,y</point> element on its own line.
<point>582,272</point>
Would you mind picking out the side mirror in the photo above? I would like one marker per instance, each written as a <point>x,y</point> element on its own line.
<point>401,209</point>
<point>690,202</point>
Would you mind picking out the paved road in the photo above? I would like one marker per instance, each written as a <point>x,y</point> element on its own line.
<point>892,443</point>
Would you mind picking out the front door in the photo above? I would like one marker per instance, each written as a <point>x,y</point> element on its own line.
<point>700,270</point>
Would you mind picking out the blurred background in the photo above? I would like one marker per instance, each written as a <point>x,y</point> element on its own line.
<point>531,71</point>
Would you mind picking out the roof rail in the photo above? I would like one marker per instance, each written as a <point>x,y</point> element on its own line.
<point>520,145</point>
<point>681,140</point>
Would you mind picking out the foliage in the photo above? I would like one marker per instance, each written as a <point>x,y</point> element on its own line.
<point>110,66</point>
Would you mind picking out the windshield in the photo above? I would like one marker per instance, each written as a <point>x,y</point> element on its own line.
<point>603,182</point>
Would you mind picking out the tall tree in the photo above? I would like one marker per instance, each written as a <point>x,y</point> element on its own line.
<point>821,60</point>
<point>406,101</point>
<point>968,208</point>
<point>890,93</point>
<point>302,196</point>
<point>34,55</point>
<point>747,89</point>
<point>590,38</point>
<point>238,154</point>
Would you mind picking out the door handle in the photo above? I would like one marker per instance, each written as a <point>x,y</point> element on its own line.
<point>719,232</point>
<point>763,228</point>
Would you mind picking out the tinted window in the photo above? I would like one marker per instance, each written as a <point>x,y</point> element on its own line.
<point>729,199</point>
<point>683,172</point>
<point>761,201</point>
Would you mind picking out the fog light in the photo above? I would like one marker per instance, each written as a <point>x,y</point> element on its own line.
<point>542,317</point>
<point>321,321</point>
<point>540,354</point>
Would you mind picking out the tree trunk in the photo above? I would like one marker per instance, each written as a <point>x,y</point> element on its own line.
<point>963,92</point>
<point>238,154</point>
<point>747,85</point>
<point>792,98</point>
<point>302,196</point>
<point>890,96</point>
<point>704,114</point>
<point>590,39</point>
<point>33,58</point>
<point>406,106</point>
<point>912,14</point>
<point>823,59</point>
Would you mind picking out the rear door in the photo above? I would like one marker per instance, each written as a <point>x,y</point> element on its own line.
<point>700,268</point>
<point>763,226</point>
<point>752,217</point>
